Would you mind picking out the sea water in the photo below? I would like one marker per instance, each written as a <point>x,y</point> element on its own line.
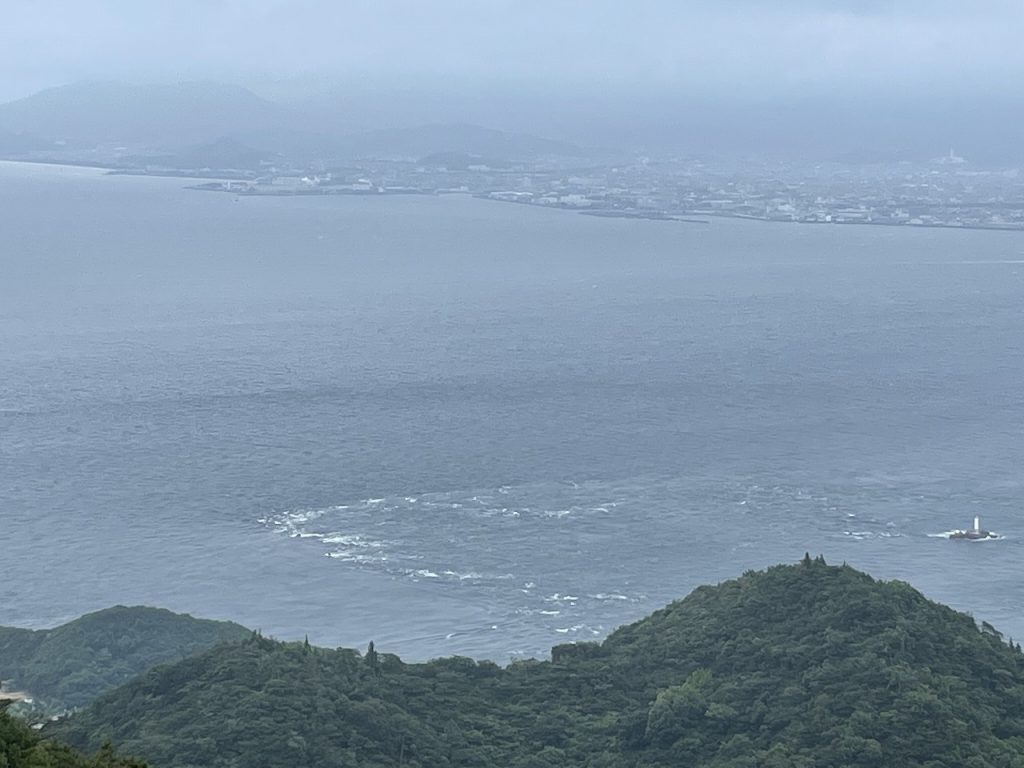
<point>458,426</point>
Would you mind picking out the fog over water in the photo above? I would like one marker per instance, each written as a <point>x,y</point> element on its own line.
<point>459,426</point>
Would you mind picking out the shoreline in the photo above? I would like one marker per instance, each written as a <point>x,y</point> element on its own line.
<point>687,217</point>
<point>77,166</point>
<point>211,184</point>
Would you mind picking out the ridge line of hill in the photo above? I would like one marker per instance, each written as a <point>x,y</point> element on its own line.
<point>797,665</point>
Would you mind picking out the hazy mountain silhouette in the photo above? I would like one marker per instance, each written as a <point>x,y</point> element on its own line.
<point>176,115</point>
<point>177,120</point>
<point>467,139</point>
<point>12,143</point>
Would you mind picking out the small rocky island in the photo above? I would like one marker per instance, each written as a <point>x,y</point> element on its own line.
<point>974,534</point>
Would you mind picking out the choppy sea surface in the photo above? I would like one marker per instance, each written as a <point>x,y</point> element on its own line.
<point>457,426</point>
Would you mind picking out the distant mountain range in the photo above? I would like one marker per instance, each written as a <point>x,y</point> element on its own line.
<point>216,125</point>
<point>355,119</point>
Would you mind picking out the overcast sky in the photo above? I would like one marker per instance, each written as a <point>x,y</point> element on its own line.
<point>749,48</point>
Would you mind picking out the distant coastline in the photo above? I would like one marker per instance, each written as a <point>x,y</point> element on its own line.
<point>251,190</point>
<point>688,218</point>
<point>245,184</point>
<point>248,188</point>
<point>57,164</point>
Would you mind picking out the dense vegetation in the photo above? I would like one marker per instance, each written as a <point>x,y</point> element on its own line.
<point>20,747</point>
<point>71,665</point>
<point>805,665</point>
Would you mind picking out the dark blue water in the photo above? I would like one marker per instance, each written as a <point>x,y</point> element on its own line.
<point>451,425</point>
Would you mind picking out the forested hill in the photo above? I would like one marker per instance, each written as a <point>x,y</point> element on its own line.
<point>804,665</point>
<point>70,665</point>
<point>20,747</point>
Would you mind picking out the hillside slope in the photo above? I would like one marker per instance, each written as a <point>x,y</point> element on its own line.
<point>20,747</point>
<point>72,664</point>
<point>795,666</point>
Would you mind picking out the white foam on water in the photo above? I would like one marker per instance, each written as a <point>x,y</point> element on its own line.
<point>353,557</point>
<point>307,515</point>
<point>993,536</point>
<point>861,535</point>
<point>352,540</point>
<point>559,598</point>
<point>558,513</point>
<point>574,628</point>
<point>505,548</point>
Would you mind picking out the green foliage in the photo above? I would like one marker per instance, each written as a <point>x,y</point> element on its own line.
<point>70,665</point>
<point>20,747</point>
<point>805,665</point>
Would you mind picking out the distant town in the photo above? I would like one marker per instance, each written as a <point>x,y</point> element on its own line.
<point>225,138</point>
<point>945,192</point>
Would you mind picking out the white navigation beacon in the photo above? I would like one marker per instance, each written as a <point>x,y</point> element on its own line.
<point>974,534</point>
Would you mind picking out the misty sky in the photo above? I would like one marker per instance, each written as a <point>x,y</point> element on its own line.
<point>748,48</point>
